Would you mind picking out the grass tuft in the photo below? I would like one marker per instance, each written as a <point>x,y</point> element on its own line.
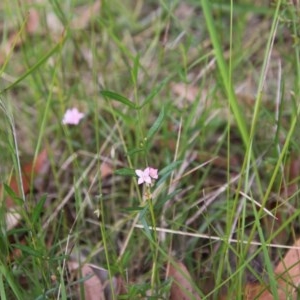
<point>205,92</point>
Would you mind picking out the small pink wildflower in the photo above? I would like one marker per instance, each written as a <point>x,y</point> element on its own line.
<point>72,116</point>
<point>153,172</point>
<point>146,175</point>
<point>143,176</point>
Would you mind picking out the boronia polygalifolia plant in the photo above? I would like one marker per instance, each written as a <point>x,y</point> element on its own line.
<point>147,178</point>
<point>148,181</point>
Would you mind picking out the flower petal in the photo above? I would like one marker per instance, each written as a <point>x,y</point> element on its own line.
<point>153,173</point>
<point>147,179</point>
<point>140,180</point>
<point>72,116</point>
<point>139,173</point>
<point>146,172</point>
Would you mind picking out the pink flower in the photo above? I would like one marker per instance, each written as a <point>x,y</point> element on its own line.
<point>153,172</point>
<point>72,116</point>
<point>143,176</point>
<point>147,175</point>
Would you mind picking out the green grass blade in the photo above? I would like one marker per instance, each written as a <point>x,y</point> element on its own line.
<point>2,289</point>
<point>264,69</point>
<point>267,259</point>
<point>38,209</point>
<point>7,275</point>
<point>135,69</point>
<point>34,67</point>
<point>237,112</point>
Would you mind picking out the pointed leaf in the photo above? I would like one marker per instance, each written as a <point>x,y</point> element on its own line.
<point>135,69</point>
<point>145,224</point>
<point>165,172</point>
<point>28,250</point>
<point>134,151</point>
<point>157,124</point>
<point>11,193</point>
<point>38,209</point>
<point>161,201</point>
<point>118,97</point>
<point>171,167</point>
<point>125,172</point>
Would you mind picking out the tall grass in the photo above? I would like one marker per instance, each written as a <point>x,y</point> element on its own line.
<point>206,92</point>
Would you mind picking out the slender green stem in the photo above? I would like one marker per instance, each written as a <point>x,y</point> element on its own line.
<point>154,246</point>
<point>106,250</point>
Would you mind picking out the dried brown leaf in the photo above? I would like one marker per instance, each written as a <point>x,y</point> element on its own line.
<point>85,15</point>
<point>106,169</point>
<point>185,91</point>
<point>33,21</point>
<point>12,219</point>
<point>288,274</point>
<point>6,49</point>
<point>292,172</point>
<point>54,24</point>
<point>97,284</point>
<point>93,288</point>
<point>256,291</point>
<point>288,271</point>
<point>184,11</point>
<point>29,171</point>
<point>181,288</point>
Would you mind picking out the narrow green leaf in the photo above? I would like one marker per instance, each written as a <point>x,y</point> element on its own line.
<point>127,119</point>
<point>156,125</point>
<point>142,219</point>
<point>125,172</point>
<point>7,274</point>
<point>28,250</point>
<point>37,65</point>
<point>133,209</point>
<point>2,288</point>
<point>154,92</point>
<point>13,195</point>
<point>135,69</point>
<point>23,230</point>
<point>161,201</point>
<point>171,167</point>
<point>134,151</point>
<point>165,172</point>
<point>118,97</point>
<point>224,71</point>
<point>38,209</point>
